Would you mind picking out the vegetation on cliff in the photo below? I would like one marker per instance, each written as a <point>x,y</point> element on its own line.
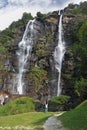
<point>76,73</point>
<point>79,49</point>
<point>8,37</point>
<point>38,76</point>
<point>81,10</point>
<point>75,77</point>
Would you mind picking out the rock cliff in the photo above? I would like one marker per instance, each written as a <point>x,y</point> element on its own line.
<point>41,76</point>
<point>41,63</point>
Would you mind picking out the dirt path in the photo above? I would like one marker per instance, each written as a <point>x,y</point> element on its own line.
<point>53,124</point>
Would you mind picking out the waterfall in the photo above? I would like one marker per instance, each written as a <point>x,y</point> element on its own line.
<point>23,54</point>
<point>59,53</point>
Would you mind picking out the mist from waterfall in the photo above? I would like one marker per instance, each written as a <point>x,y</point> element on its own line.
<point>59,53</point>
<point>23,54</point>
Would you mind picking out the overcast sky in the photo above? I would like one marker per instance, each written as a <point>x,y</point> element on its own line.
<point>12,10</point>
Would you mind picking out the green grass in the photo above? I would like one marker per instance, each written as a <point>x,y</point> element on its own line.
<point>17,106</point>
<point>84,103</point>
<point>76,119</point>
<point>32,119</point>
<point>19,113</point>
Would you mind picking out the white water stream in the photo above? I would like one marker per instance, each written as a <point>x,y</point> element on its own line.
<point>59,53</point>
<point>24,53</point>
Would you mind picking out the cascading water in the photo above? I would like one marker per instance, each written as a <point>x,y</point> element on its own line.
<point>59,53</point>
<point>24,53</point>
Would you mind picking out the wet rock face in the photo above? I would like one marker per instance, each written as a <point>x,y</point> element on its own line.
<point>68,71</point>
<point>41,76</point>
<point>45,40</point>
<point>68,22</point>
<point>42,56</point>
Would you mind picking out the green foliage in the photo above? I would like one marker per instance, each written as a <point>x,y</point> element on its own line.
<point>21,23</point>
<point>9,36</point>
<point>2,49</point>
<point>80,51</point>
<point>57,103</point>
<point>16,106</point>
<point>84,103</point>
<point>60,100</point>
<point>26,17</point>
<point>5,40</point>
<point>31,120</point>
<point>3,72</point>
<point>38,76</point>
<point>75,119</point>
<point>81,9</point>
<point>81,87</point>
<point>40,15</point>
<point>83,34</point>
<point>68,76</point>
<point>42,47</point>
<point>7,32</point>
<point>42,51</point>
<point>39,106</point>
<point>74,33</point>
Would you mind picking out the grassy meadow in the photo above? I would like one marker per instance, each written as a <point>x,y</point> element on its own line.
<point>76,119</point>
<point>20,114</point>
<point>32,120</point>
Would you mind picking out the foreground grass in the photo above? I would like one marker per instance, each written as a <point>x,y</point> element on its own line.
<point>76,119</point>
<point>32,119</point>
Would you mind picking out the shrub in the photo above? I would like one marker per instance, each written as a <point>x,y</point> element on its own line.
<point>17,106</point>
<point>40,15</point>
<point>58,103</point>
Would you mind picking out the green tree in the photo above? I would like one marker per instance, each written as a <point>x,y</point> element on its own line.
<point>40,15</point>
<point>26,17</point>
<point>80,51</point>
<point>81,88</point>
<point>83,34</point>
<point>82,47</point>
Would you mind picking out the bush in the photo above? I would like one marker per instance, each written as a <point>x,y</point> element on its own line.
<point>40,15</point>
<point>39,106</point>
<point>58,103</point>
<point>17,106</point>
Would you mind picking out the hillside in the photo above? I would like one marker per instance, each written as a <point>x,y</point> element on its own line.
<point>76,119</point>
<point>41,77</point>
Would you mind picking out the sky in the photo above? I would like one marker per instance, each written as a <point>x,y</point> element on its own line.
<point>12,10</point>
